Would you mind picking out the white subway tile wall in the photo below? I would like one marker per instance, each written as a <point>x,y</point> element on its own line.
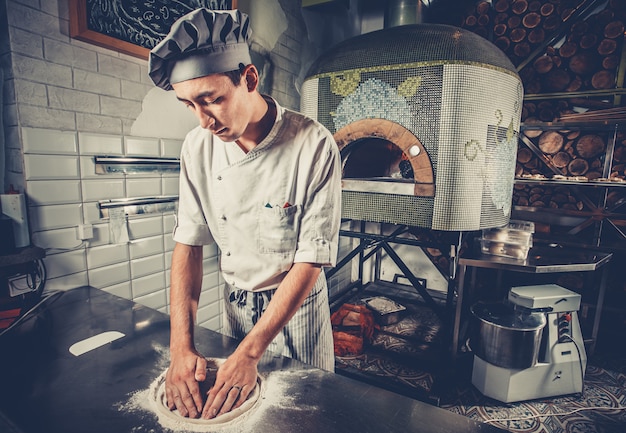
<point>61,197</point>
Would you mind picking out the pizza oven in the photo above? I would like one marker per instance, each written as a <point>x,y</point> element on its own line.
<point>426,117</point>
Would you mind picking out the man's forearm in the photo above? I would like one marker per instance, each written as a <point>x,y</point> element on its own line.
<point>185,288</point>
<point>287,299</point>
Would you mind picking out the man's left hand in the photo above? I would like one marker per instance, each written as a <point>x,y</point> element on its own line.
<point>236,379</point>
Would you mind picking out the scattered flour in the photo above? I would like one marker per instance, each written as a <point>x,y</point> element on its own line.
<point>273,394</point>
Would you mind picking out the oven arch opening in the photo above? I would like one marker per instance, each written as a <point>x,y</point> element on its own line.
<point>379,155</point>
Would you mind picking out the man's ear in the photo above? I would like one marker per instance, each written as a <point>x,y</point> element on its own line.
<point>251,75</point>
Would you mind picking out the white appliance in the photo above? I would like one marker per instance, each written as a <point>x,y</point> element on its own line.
<point>561,358</point>
<point>14,207</point>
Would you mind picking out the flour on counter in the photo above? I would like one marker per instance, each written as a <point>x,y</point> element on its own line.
<point>274,394</point>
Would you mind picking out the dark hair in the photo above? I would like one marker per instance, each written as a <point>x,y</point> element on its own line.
<point>235,76</point>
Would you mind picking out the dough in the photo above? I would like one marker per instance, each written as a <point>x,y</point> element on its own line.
<point>172,418</point>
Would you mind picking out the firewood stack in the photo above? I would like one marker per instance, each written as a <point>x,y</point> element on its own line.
<point>572,154</point>
<point>582,54</point>
<point>579,156</point>
<point>559,50</point>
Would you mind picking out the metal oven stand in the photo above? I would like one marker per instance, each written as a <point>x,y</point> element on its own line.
<point>371,244</point>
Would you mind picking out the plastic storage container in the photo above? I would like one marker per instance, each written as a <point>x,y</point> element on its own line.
<point>512,241</point>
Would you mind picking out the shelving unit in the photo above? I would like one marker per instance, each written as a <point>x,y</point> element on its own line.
<point>571,56</point>
<point>592,205</point>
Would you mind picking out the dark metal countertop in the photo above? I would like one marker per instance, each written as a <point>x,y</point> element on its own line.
<point>47,388</point>
<point>544,259</point>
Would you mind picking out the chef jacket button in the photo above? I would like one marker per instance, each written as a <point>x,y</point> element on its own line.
<point>223,217</point>
<point>219,177</point>
<point>228,253</point>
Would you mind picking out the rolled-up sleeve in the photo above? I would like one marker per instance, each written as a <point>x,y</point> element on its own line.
<point>191,227</point>
<point>321,217</point>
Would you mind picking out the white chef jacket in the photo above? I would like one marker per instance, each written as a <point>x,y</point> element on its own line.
<point>276,205</point>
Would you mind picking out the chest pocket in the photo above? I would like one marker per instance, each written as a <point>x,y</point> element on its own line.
<point>278,229</point>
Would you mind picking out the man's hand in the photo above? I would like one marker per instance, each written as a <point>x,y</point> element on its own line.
<point>181,383</point>
<point>236,379</point>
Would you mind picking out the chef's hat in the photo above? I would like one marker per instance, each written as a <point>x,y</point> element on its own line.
<point>201,43</point>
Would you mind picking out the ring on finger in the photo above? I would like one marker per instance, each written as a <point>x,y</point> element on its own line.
<point>237,387</point>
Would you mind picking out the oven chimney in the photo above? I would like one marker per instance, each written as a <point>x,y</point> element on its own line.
<point>403,12</point>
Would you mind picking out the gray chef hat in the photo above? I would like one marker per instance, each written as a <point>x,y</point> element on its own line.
<point>201,43</point>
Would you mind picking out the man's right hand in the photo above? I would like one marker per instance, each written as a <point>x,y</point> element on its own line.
<point>182,390</point>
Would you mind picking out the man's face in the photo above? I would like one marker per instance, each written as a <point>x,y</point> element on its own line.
<point>220,106</point>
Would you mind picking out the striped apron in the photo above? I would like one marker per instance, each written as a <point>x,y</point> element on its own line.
<point>308,335</point>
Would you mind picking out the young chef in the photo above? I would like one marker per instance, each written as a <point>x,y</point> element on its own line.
<point>261,181</point>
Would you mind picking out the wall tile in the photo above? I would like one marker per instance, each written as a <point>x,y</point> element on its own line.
<point>119,107</point>
<point>122,290</point>
<point>53,192</point>
<point>148,284</point>
<point>171,148</point>
<point>73,100</point>
<point>26,43</point>
<point>208,312</point>
<point>91,214</point>
<point>156,300</point>
<point>46,167</point>
<point>107,255</point>
<point>88,169</point>
<point>36,93</point>
<point>211,289</point>
<point>143,187</point>
<point>169,243</point>
<point>57,239</point>
<point>142,226</point>
<point>134,90</point>
<point>118,67</point>
<point>142,146</point>
<point>97,123</point>
<point>44,117</point>
<point>96,83</point>
<point>49,141</point>
<point>109,275</point>
<point>94,190</point>
<point>100,144</point>
<point>67,263</point>
<point>147,265</point>
<point>210,251</point>
<point>209,265</point>
<point>168,263</point>
<point>146,247</point>
<point>214,324</point>
<point>33,19</point>
<point>169,185</point>
<point>67,282</point>
<point>101,235</point>
<point>55,216</point>
<point>169,219</point>
<point>41,71</point>
<point>71,55</point>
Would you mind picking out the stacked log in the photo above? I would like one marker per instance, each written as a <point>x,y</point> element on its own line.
<point>579,156</point>
<point>587,58</point>
<point>583,56</point>
<point>541,196</point>
<point>559,196</point>
<point>573,153</point>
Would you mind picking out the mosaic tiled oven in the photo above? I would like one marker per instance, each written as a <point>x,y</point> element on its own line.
<point>426,117</point>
